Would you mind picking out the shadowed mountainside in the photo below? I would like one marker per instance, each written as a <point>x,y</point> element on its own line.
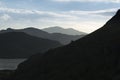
<point>22,45</point>
<point>68,31</point>
<point>62,38</point>
<point>94,57</point>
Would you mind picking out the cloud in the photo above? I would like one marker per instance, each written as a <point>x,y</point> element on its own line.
<point>0,3</point>
<point>33,12</point>
<point>105,1</point>
<point>105,13</point>
<point>18,11</point>
<point>20,18</point>
<point>5,17</point>
<point>62,14</point>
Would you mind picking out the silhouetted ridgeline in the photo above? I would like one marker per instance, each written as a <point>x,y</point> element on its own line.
<point>60,37</point>
<point>94,57</point>
<point>22,45</point>
<point>68,31</point>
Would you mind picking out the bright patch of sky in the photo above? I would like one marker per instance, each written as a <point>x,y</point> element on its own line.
<point>83,15</point>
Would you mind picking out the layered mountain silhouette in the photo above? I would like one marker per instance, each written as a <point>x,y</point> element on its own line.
<point>62,38</point>
<point>93,57</point>
<point>22,45</point>
<point>68,31</point>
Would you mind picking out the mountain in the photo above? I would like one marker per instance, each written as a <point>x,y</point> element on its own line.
<point>68,31</point>
<point>62,38</point>
<point>93,57</point>
<point>22,45</point>
<point>8,30</point>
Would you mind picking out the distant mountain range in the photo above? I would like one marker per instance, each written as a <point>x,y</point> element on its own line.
<point>68,31</point>
<point>22,45</point>
<point>62,38</point>
<point>93,57</point>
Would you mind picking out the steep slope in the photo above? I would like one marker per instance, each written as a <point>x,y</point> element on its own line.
<point>22,45</point>
<point>94,57</point>
<point>62,38</point>
<point>68,31</point>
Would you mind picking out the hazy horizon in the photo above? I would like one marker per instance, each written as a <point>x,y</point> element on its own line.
<point>82,15</point>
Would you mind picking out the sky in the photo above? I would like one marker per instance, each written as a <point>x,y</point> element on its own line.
<point>82,15</point>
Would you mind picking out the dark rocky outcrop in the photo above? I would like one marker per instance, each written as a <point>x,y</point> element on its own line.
<point>22,45</point>
<point>94,57</point>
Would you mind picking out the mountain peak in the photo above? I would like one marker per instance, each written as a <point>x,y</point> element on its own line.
<point>116,18</point>
<point>9,29</point>
<point>118,12</point>
<point>68,31</point>
<point>109,31</point>
<point>112,24</point>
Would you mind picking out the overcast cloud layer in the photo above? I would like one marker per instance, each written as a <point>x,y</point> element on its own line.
<point>21,14</point>
<point>106,1</point>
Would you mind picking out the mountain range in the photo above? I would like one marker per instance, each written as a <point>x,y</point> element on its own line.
<point>68,31</point>
<point>93,57</point>
<point>62,38</point>
<point>22,45</point>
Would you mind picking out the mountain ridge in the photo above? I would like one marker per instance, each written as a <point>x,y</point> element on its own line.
<point>22,45</point>
<point>93,57</point>
<point>62,38</point>
<point>68,31</point>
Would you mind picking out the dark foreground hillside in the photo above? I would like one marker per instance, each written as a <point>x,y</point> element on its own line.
<point>22,45</point>
<point>6,74</point>
<point>94,57</point>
